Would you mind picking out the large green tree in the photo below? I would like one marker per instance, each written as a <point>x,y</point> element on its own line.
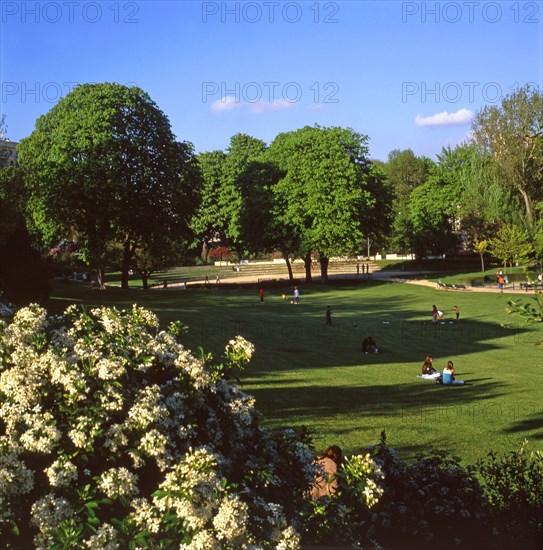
<point>243,150</point>
<point>511,244</point>
<point>404,171</point>
<point>324,194</point>
<point>208,219</point>
<point>431,213</point>
<point>512,135</point>
<point>104,163</point>
<point>224,190</point>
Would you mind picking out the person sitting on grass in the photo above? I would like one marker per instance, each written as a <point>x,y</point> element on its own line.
<point>428,366</point>
<point>326,481</point>
<point>369,345</point>
<point>448,378</point>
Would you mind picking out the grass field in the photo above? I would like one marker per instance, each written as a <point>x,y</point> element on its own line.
<point>305,373</point>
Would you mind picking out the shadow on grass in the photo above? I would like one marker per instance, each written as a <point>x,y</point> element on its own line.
<point>309,403</point>
<point>532,424</point>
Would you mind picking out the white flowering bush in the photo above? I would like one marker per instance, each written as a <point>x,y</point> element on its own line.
<point>113,435</point>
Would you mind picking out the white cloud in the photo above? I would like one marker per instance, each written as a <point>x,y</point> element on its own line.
<point>462,116</point>
<point>260,107</point>
<point>226,103</point>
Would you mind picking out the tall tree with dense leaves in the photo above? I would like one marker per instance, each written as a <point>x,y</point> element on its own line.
<point>511,244</point>
<point>243,150</point>
<point>512,134</point>
<point>431,212</point>
<point>104,162</point>
<point>208,220</point>
<point>218,218</point>
<point>324,192</point>
<point>404,171</point>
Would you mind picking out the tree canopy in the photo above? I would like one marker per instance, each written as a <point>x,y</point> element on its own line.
<point>324,193</point>
<point>512,134</point>
<point>104,162</point>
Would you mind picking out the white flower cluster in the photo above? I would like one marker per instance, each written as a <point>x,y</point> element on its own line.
<point>191,487</point>
<point>362,469</point>
<point>89,403</point>
<point>145,515</point>
<point>203,540</point>
<point>41,435</point>
<point>239,350</point>
<point>15,477</point>
<point>231,519</point>
<point>6,310</point>
<point>194,368</point>
<point>62,473</point>
<point>241,407</point>
<point>105,538</point>
<point>118,482</point>
<point>49,511</point>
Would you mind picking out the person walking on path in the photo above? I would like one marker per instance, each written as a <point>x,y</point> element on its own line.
<point>296,295</point>
<point>261,294</point>
<point>328,316</point>
<point>218,279</point>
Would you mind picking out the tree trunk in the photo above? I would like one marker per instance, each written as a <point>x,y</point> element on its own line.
<point>482,263</point>
<point>127,256</point>
<point>289,267</point>
<point>145,280</point>
<point>324,261</point>
<point>307,264</point>
<point>96,255</point>
<point>528,204</point>
<point>205,251</point>
<point>100,277</point>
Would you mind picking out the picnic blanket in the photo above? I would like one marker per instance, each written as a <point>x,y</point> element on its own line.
<point>434,376</point>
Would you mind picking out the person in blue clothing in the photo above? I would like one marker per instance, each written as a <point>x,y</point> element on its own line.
<point>448,378</point>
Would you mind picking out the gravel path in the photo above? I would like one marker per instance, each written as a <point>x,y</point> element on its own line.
<point>390,276</point>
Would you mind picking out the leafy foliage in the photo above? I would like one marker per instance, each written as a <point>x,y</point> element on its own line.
<point>104,162</point>
<point>512,134</point>
<point>511,244</point>
<point>512,485</point>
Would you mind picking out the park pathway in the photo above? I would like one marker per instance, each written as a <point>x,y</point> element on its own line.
<point>388,276</point>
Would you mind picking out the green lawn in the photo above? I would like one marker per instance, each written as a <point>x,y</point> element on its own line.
<point>304,373</point>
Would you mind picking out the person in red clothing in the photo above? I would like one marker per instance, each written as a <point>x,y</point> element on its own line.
<point>261,294</point>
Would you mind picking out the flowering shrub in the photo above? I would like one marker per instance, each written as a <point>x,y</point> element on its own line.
<point>113,435</point>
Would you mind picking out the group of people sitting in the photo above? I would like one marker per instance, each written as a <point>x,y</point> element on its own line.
<point>447,377</point>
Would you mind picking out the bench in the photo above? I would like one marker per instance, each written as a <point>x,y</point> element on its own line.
<point>447,286</point>
<point>529,286</point>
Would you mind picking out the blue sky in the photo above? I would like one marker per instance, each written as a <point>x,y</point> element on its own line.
<point>407,74</point>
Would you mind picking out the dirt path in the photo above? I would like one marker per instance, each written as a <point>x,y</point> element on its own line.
<point>390,276</point>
